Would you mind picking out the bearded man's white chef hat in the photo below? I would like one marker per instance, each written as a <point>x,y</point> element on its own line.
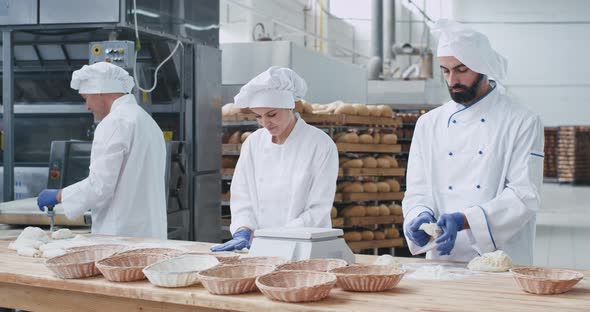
<point>277,87</point>
<point>101,77</point>
<point>470,47</point>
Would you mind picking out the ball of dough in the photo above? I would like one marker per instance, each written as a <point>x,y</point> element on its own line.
<point>389,138</point>
<point>367,235</point>
<point>361,109</point>
<point>353,163</point>
<point>383,162</point>
<point>378,235</point>
<point>369,162</point>
<point>370,187</point>
<point>244,136</point>
<point>353,236</point>
<point>393,185</point>
<point>355,187</point>
<point>372,211</point>
<point>391,233</point>
<point>235,138</point>
<point>383,210</point>
<point>366,139</point>
<point>62,234</point>
<point>333,212</point>
<point>431,229</point>
<point>34,233</point>
<point>497,261</point>
<point>383,187</point>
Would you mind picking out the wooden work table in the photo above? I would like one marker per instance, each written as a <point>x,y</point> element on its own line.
<point>25,283</point>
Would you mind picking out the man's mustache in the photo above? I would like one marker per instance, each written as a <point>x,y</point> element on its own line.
<point>458,86</point>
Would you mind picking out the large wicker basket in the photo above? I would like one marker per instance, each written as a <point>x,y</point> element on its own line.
<point>127,267</point>
<point>296,286</point>
<point>225,257</point>
<point>261,261</point>
<point>233,279</point>
<point>368,278</point>
<point>545,281</point>
<point>318,265</point>
<point>78,264</point>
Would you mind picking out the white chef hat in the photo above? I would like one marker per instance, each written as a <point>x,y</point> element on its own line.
<point>101,77</point>
<point>470,47</point>
<point>277,87</point>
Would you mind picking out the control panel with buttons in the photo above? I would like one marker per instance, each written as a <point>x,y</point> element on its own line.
<point>120,53</point>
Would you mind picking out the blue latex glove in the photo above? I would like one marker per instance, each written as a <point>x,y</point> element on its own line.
<point>47,197</point>
<point>419,237</point>
<point>240,240</point>
<point>450,224</point>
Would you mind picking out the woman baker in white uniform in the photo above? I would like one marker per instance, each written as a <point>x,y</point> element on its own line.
<point>287,170</point>
<point>476,163</point>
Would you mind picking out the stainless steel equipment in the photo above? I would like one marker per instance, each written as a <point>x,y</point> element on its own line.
<point>44,41</point>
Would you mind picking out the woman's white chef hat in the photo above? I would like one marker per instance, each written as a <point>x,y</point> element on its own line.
<point>277,87</point>
<point>470,47</point>
<point>102,77</point>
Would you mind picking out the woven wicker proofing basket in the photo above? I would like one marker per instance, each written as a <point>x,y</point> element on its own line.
<point>233,279</point>
<point>151,251</point>
<point>225,257</point>
<point>114,247</point>
<point>78,264</point>
<point>127,267</point>
<point>296,286</point>
<point>180,271</point>
<point>545,281</point>
<point>368,278</point>
<point>261,261</point>
<point>318,265</point>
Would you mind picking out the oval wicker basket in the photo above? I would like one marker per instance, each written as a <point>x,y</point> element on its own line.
<point>179,271</point>
<point>276,261</point>
<point>368,278</point>
<point>233,279</point>
<point>296,286</point>
<point>127,267</point>
<point>225,257</point>
<point>151,251</point>
<point>545,281</point>
<point>78,264</point>
<point>115,247</point>
<point>318,265</point>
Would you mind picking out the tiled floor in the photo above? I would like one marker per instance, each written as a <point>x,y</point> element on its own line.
<point>563,227</point>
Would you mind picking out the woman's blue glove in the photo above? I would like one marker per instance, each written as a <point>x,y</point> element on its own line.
<point>240,240</point>
<point>47,197</point>
<point>450,224</point>
<point>413,233</point>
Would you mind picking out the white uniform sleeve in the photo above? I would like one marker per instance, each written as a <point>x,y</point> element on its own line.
<point>321,193</point>
<point>109,147</point>
<point>241,205</point>
<point>496,221</point>
<point>418,197</point>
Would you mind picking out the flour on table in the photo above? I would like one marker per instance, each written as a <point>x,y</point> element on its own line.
<point>50,253</point>
<point>431,229</point>
<point>497,261</point>
<point>435,273</point>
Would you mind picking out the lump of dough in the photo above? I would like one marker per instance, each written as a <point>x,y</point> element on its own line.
<point>28,252</point>
<point>25,242</point>
<point>497,261</point>
<point>62,234</point>
<point>387,260</point>
<point>34,233</point>
<point>431,229</point>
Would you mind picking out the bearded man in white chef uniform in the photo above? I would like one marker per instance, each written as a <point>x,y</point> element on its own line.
<point>476,163</point>
<point>125,189</point>
<point>287,170</point>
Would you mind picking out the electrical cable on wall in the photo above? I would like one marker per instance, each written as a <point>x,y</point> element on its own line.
<point>138,47</point>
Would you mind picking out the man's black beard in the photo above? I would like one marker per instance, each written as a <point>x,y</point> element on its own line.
<point>468,94</point>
